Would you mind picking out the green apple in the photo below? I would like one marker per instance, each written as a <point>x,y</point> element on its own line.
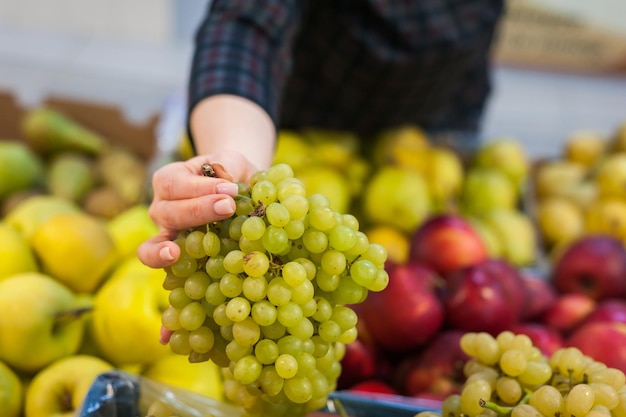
<point>398,197</point>
<point>40,321</point>
<point>131,228</point>
<point>11,392</point>
<point>203,378</point>
<point>59,389</point>
<point>126,318</point>
<point>15,248</point>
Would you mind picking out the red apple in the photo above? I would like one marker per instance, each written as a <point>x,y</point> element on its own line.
<point>540,295</point>
<point>568,311</point>
<point>602,341</point>
<point>610,309</point>
<point>547,339</point>
<point>373,385</point>
<point>476,300</point>
<point>435,370</point>
<point>594,265</point>
<point>357,364</point>
<point>512,282</point>
<point>447,242</point>
<point>408,312</point>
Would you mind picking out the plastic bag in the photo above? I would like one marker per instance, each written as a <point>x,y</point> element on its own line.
<point>119,394</point>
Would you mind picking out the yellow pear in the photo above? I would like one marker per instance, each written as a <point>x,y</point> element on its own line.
<point>556,177</point>
<point>397,197</point>
<point>488,235</point>
<point>395,241</point>
<point>485,189</point>
<point>11,392</point>
<point>76,249</point>
<point>292,149</point>
<point>20,168</point>
<point>607,216</point>
<point>70,176</point>
<point>403,146</point>
<point>507,155</point>
<point>29,214</point>
<point>444,174</point>
<point>126,317</point>
<point>59,389</point>
<point>584,147</point>
<point>40,321</point>
<point>334,148</point>
<point>610,176</point>
<point>559,220</point>
<point>16,249</point>
<point>516,233</point>
<point>326,180</point>
<point>131,228</point>
<point>618,140</point>
<point>202,378</point>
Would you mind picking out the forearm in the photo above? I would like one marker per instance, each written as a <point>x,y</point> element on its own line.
<point>230,123</point>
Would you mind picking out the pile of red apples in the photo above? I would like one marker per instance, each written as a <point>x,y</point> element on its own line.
<point>409,333</point>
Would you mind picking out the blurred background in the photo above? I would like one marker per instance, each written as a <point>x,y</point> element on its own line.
<point>560,64</point>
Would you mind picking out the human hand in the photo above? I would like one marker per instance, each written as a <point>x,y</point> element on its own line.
<point>184,198</point>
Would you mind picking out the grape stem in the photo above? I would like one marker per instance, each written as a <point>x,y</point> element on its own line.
<point>339,408</point>
<point>500,409</point>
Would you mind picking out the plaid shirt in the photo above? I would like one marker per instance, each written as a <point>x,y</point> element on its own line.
<point>360,65</point>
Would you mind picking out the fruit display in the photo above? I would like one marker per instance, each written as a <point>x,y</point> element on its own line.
<point>389,265</point>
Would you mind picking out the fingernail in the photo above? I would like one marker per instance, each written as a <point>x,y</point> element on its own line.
<point>229,188</point>
<point>165,254</point>
<point>225,206</point>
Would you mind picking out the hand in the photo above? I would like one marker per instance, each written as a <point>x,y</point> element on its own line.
<point>184,198</point>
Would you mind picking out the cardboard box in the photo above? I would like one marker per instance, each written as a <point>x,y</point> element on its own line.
<point>563,36</point>
<point>106,120</point>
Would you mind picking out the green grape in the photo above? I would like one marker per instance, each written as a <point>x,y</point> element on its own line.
<point>264,313</point>
<point>255,288</point>
<point>289,314</point>
<point>286,365</point>
<point>342,237</point>
<point>278,292</point>
<point>306,363</point>
<point>247,370</point>
<point>375,253</point>
<point>192,316</point>
<point>243,205</point>
<point>197,284</point>
<point>214,267</point>
<point>274,331</point>
<point>486,348</point>
<point>266,351</point>
<point>525,410</point>
<point>471,396</point>
<point>548,401</point>
<point>329,331</point>
<point>169,318</point>
<point>235,351</point>
<point>304,329</point>
<point>303,293</point>
<point>246,332</point>
<point>349,292</point>
<point>580,400</point>
<point>256,264</point>
<point>348,336</point>
<point>319,384</point>
<point>298,389</point>
<point>318,200</point>
<point>184,266</point>
<point>327,282</point>
<point>220,316</point>
<point>294,229</point>
<point>253,228</point>
<point>179,342</point>
<point>381,281</point>
<point>288,187</point>
<point>214,294</point>
<point>610,376</point>
<point>279,172</point>
<point>333,262</point>
<point>234,228</point>
<point>322,218</point>
<point>451,405</point>
<point>604,394</point>
<point>201,340</point>
<point>315,241</point>
<point>364,272</point>
<point>263,192</point>
<point>275,239</point>
<point>508,390</point>
<point>297,205</point>
<point>228,245</point>
<point>193,244</point>
<point>238,309</point>
<point>171,281</point>
<point>277,214</point>
<point>513,362</point>
<point>178,298</point>
<point>271,383</point>
<point>344,316</point>
<point>536,373</point>
<point>233,262</point>
<point>324,310</point>
<point>294,274</point>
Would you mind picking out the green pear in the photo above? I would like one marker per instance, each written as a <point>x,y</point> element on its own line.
<point>47,130</point>
<point>11,392</point>
<point>397,197</point>
<point>486,189</point>
<point>70,176</point>
<point>126,318</point>
<point>131,228</point>
<point>59,389</point>
<point>516,234</point>
<point>41,321</point>
<point>506,155</point>
<point>29,214</point>
<point>20,168</point>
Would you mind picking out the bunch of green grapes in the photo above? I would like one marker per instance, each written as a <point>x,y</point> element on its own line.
<point>266,294</point>
<point>507,375</point>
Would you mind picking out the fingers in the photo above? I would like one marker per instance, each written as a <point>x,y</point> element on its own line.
<point>181,214</point>
<point>165,336</point>
<point>176,182</point>
<point>158,252</point>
